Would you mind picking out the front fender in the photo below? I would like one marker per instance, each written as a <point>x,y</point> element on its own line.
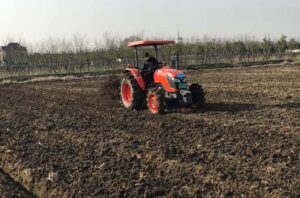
<point>138,77</point>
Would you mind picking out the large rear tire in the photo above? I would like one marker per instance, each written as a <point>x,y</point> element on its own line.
<point>132,96</point>
<point>198,96</point>
<point>156,101</point>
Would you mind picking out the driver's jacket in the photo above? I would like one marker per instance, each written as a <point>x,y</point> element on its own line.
<point>150,64</point>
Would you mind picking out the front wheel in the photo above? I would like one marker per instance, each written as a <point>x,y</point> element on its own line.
<point>155,101</point>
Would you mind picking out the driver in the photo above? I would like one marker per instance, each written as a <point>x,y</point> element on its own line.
<point>150,65</point>
<point>150,61</point>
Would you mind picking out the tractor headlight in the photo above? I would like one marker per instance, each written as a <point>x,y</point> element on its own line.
<point>177,80</point>
<point>180,83</point>
<point>174,79</point>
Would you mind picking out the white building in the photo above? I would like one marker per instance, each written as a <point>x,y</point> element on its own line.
<point>295,51</point>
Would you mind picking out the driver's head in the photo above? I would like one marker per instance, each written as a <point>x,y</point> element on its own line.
<point>146,54</point>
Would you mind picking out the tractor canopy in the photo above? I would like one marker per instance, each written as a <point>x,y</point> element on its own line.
<point>150,42</point>
<point>153,43</point>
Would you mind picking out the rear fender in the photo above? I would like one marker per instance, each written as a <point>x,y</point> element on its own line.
<point>137,75</point>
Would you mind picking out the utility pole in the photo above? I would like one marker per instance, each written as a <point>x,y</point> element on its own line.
<point>179,38</point>
<point>179,41</point>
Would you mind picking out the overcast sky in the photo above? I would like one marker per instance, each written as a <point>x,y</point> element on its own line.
<point>35,20</point>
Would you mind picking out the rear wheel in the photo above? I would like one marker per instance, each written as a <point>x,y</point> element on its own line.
<point>155,101</point>
<point>131,94</point>
<point>197,93</point>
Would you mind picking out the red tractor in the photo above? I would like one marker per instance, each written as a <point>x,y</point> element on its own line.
<point>168,88</point>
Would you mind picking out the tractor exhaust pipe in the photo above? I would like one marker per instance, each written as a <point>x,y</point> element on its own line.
<point>177,58</point>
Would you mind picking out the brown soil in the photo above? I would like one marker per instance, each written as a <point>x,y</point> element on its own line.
<point>73,138</point>
<point>11,188</point>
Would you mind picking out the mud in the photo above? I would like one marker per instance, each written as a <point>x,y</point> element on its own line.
<point>73,138</point>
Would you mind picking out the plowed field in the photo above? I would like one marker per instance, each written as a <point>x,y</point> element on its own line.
<point>72,138</point>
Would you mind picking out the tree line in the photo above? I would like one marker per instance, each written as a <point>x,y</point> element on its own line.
<point>77,55</point>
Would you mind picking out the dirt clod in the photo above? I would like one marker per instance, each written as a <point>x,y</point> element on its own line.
<point>110,92</point>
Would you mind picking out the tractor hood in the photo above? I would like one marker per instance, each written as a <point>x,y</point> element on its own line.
<point>168,77</point>
<point>169,72</point>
